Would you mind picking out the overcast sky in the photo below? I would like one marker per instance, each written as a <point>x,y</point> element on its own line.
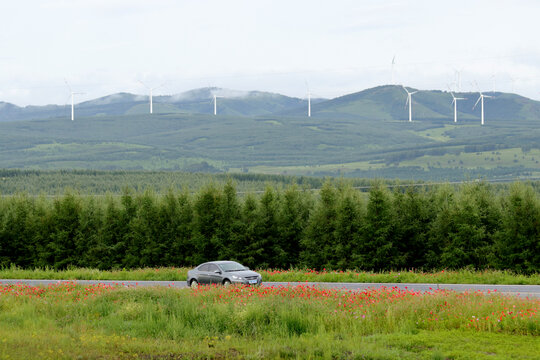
<point>337,47</point>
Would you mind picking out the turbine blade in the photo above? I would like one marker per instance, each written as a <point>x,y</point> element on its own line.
<point>143,84</point>
<point>68,85</point>
<point>477,102</point>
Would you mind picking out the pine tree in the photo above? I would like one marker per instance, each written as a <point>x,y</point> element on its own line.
<point>377,248</point>
<point>267,249</point>
<point>65,227</point>
<point>229,227</point>
<point>412,213</point>
<point>244,244</point>
<point>318,240</point>
<point>293,214</point>
<point>206,221</point>
<point>518,243</point>
<point>348,230</point>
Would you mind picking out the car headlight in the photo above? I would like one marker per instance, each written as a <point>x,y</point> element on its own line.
<point>235,277</point>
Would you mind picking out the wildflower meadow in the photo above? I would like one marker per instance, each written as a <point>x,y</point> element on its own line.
<point>70,321</point>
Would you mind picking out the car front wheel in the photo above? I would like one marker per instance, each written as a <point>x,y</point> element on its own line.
<point>194,283</point>
<point>226,282</point>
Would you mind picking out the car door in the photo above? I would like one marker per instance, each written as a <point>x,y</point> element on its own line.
<point>202,275</point>
<point>213,276</point>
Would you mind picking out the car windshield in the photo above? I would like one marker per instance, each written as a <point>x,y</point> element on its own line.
<point>232,266</point>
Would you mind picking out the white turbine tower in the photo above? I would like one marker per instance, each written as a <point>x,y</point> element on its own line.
<point>513,80</point>
<point>151,89</point>
<point>454,102</point>
<point>393,63</point>
<point>409,101</point>
<point>72,100</point>
<point>481,99</point>
<point>215,103</point>
<point>308,100</point>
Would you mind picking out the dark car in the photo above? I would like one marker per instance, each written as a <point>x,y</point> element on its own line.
<point>222,272</point>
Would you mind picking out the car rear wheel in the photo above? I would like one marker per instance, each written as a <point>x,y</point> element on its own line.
<point>194,283</point>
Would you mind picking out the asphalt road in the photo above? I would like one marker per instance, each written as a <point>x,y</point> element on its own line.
<point>518,290</point>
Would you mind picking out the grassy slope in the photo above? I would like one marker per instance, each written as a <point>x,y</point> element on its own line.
<point>365,132</point>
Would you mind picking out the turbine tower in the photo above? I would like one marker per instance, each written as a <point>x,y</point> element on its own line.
<point>215,103</point>
<point>72,100</point>
<point>308,100</point>
<point>409,101</point>
<point>150,89</point>
<point>454,102</point>
<point>481,99</point>
<point>393,63</point>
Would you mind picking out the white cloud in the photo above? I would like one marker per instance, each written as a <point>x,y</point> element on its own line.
<point>105,46</point>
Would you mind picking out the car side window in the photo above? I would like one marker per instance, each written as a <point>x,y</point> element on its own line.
<point>212,267</point>
<point>204,267</point>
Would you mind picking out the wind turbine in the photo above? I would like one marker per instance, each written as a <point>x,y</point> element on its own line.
<point>308,100</point>
<point>454,102</point>
<point>393,63</point>
<point>215,103</point>
<point>72,100</point>
<point>150,89</point>
<point>481,99</point>
<point>458,79</point>
<point>513,80</point>
<point>409,101</point>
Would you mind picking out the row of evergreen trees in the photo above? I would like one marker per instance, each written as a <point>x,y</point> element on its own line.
<point>335,228</point>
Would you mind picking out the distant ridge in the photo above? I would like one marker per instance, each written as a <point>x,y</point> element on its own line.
<point>198,101</point>
<point>385,102</point>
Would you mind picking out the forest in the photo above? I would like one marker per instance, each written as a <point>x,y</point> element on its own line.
<point>476,226</point>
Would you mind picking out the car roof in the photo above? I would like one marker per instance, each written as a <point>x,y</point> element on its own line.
<point>219,262</point>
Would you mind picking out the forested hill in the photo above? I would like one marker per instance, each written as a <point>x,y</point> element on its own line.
<point>383,102</point>
<point>198,101</point>
<point>389,103</point>
<point>365,134</point>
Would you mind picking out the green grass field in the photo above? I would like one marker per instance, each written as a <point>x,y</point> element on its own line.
<point>66,321</point>
<point>513,157</point>
<point>292,275</point>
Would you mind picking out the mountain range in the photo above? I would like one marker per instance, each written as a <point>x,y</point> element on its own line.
<point>365,134</point>
<point>383,102</point>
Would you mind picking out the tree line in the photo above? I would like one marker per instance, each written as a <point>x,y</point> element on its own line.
<point>338,227</point>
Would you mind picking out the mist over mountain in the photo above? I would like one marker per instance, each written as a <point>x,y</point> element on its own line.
<point>364,134</point>
<point>379,103</point>
<point>198,101</point>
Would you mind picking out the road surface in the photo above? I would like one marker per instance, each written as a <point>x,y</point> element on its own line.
<point>518,290</point>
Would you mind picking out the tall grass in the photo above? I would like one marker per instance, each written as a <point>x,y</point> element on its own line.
<point>464,276</point>
<point>70,321</point>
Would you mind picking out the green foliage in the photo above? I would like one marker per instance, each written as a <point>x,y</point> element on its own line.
<point>520,230</point>
<point>377,249</point>
<point>476,226</point>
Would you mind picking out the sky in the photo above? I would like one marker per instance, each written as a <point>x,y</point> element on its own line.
<point>335,47</point>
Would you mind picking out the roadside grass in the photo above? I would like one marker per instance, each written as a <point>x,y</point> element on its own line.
<point>463,276</point>
<point>69,321</point>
